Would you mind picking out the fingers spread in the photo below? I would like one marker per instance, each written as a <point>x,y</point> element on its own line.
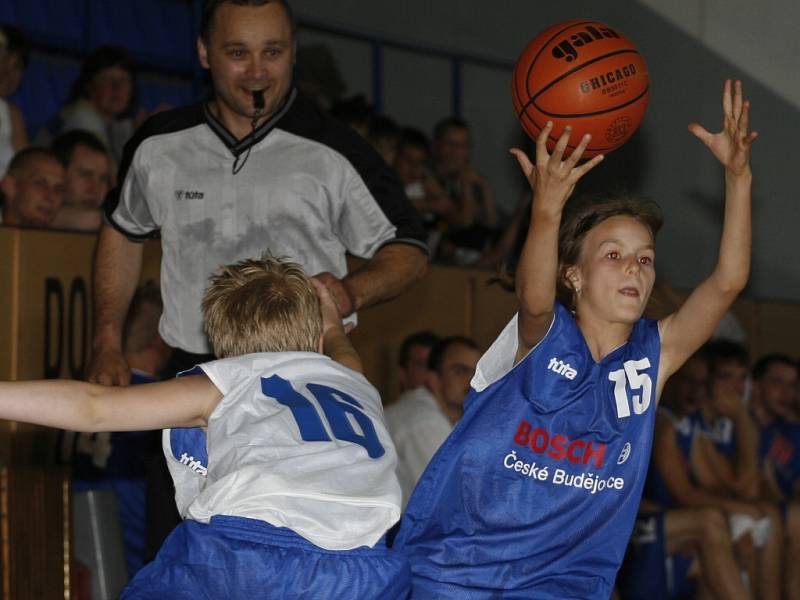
<point>578,152</point>
<point>523,160</point>
<point>700,132</point>
<point>727,101</point>
<point>737,99</point>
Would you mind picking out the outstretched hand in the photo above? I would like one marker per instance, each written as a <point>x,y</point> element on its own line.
<point>553,177</point>
<point>731,146</point>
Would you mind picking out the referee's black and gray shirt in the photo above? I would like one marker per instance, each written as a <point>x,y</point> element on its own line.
<point>310,190</point>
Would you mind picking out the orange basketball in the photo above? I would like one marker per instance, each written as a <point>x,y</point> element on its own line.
<point>584,74</point>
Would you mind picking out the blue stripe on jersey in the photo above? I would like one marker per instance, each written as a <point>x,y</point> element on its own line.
<point>535,492</point>
<point>780,447</point>
<point>189,446</point>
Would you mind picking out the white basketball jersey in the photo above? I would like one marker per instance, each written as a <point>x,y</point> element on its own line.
<point>298,441</point>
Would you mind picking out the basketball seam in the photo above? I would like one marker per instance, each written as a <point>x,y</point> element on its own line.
<point>538,54</point>
<point>536,58</point>
<point>600,112</point>
<point>532,100</point>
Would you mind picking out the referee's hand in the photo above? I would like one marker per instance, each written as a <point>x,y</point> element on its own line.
<point>109,367</point>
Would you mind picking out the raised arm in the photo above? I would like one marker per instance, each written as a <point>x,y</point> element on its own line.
<point>552,180</point>
<point>79,406</point>
<point>684,331</point>
<point>117,264</point>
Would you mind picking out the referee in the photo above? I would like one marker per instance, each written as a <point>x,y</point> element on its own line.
<point>256,168</point>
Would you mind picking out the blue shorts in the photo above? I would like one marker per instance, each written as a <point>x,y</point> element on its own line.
<point>234,557</point>
<point>648,572</point>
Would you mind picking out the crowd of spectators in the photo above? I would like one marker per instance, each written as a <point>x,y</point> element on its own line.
<point>456,202</point>
<point>721,511</point>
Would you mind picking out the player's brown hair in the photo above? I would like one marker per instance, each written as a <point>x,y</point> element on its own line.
<point>261,305</point>
<point>586,212</point>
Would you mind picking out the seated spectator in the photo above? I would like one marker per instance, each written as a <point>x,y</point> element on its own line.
<point>676,550</point>
<point>680,553</point>
<point>101,102</point>
<point>318,76</point>
<point>383,135</point>
<point>724,469</point>
<point>88,179</point>
<point>355,111</point>
<point>422,418</point>
<point>774,389</point>
<point>472,227</point>
<point>412,360</point>
<point>116,461</point>
<point>775,407</point>
<point>14,56</point>
<point>32,189</point>
<point>411,164</point>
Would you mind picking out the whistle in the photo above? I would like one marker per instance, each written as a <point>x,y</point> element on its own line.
<point>258,100</point>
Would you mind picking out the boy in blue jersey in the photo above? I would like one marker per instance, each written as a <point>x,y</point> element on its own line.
<point>774,405</point>
<point>535,492</point>
<point>283,467</point>
<point>676,550</point>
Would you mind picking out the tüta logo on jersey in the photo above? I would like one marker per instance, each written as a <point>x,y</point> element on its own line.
<point>567,48</point>
<point>558,446</point>
<point>556,365</point>
<point>188,195</point>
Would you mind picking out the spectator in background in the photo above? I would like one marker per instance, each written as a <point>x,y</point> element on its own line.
<point>774,406</point>
<point>88,179</point>
<point>774,387</point>
<point>383,135</point>
<point>472,226</point>
<point>15,53</point>
<point>725,470</point>
<point>412,165</point>
<point>356,112</point>
<point>102,101</point>
<point>676,550</point>
<point>422,418</point>
<point>318,76</point>
<point>32,188</point>
<point>412,360</point>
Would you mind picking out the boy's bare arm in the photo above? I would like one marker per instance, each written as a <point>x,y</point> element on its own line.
<point>684,331</point>
<point>335,342</point>
<point>80,406</point>
<point>552,181</point>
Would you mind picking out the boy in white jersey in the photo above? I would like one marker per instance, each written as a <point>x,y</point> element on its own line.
<point>283,468</point>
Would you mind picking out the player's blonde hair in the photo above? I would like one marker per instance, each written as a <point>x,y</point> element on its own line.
<point>261,305</point>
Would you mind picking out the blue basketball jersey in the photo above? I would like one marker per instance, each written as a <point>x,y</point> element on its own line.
<point>721,432</point>
<point>686,428</point>
<point>780,447</point>
<point>535,492</point>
